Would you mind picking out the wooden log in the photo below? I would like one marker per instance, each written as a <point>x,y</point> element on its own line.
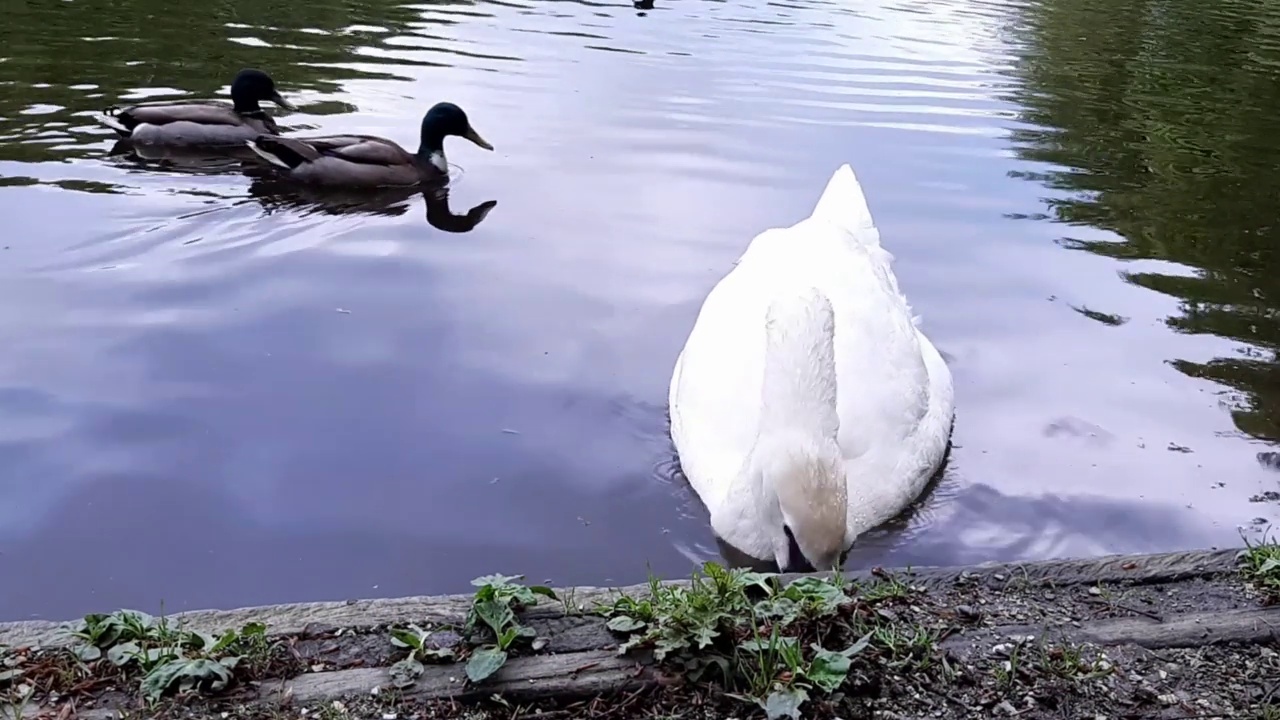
<point>311,618</point>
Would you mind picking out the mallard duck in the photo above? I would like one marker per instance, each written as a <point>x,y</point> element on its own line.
<point>806,405</point>
<point>367,160</point>
<point>202,122</point>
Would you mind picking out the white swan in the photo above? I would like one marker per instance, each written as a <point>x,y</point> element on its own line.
<point>806,406</point>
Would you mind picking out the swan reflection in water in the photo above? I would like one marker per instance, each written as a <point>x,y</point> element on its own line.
<point>275,193</point>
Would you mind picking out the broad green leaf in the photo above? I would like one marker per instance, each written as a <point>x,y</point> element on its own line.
<point>624,624</point>
<point>828,669</point>
<point>188,674</point>
<point>1269,565</point>
<point>858,646</point>
<point>756,579</point>
<point>253,629</point>
<point>405,638</point>
<point>783,609</point>
<point>88,653</point>
<point>442,653</point>
<point>785,703</point>
<point>496,580</point>
<point>544,591</point>
<point>495,614</point>
<point>123,654</point>
<point>406,672</point>
<point>507,637</point>
<point>816,593</point>
<point>485,662</point>
<point>228,639</point>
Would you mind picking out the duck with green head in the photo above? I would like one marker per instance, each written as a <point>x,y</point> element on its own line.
<point>202,122</point>
<point>368,160</point>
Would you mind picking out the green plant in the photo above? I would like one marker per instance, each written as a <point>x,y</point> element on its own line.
<point>755,645</point>
<point>494,607</point>
<point>1260,565</point>
<point>421,649</point>
<point>165,656</point>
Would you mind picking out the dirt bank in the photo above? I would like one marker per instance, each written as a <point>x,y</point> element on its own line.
<point>1170,636</point>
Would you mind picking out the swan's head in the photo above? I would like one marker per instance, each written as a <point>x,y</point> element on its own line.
<point>813,504</point>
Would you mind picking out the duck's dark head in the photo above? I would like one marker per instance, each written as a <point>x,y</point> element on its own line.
<point>445,119</point>
<point>253,86</point>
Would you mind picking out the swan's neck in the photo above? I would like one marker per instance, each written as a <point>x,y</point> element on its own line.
<point>798,395</point>
<point>796,458</point>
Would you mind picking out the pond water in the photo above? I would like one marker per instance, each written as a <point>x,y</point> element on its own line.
<point>213,394</point>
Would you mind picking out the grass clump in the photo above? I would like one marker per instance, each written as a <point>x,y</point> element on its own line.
<point>1260,565</point>
<point>167,657</point>
<point>770,644</point>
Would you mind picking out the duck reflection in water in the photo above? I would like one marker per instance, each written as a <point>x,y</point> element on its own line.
<point>276,194</point>
<point>194,159</point>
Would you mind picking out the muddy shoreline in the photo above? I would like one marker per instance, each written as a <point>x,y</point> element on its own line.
<point>1173,635</point>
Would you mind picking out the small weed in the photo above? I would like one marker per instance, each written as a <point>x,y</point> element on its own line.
<point>494,607</point>
<point>422,648</point>
<point>10,672</point>
<point>887,588</point>
<point>907,646</point>
<point>1068,661</point>
<point>1260,565</point>
<point>1007,672</point>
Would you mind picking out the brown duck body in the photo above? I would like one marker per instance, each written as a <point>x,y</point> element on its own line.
<point>349,160</point>
<point>368,161</point>
<point>190,123</point>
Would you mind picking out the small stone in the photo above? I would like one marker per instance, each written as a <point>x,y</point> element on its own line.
<point>1168,699</point>
<point>1007,708</point>
<point>999,576</point>
<point>968,612</point>
<point>1049,595</point>
<point>1095,590</point>
<point>1002,649</point>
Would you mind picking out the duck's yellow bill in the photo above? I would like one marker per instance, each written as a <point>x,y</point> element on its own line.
<point>474,137</point>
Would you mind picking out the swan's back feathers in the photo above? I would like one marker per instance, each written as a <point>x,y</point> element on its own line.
<point>844,205</point>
